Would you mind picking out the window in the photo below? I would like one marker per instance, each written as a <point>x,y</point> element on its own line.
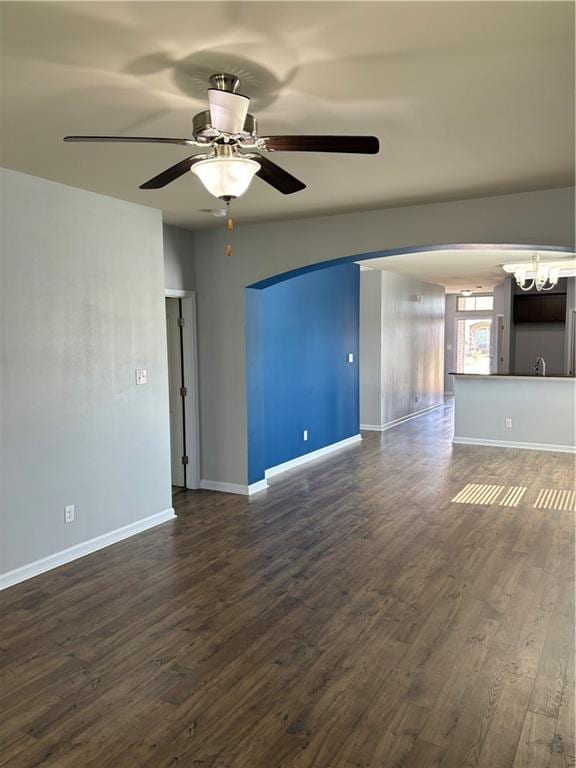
<point>475,303</point>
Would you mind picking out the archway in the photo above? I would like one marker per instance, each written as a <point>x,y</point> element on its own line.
<point>275,366</point>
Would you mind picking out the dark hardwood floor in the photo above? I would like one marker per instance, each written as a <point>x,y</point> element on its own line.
<point>350,616</point>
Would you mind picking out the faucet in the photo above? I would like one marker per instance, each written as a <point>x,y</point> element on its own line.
<point>540,363</point>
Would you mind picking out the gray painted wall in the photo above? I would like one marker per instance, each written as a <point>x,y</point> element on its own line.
<point>406,375</point>
<point>534,340</point>
<point>570,339</point>
<point>370,347</point>
<point>449,351</point>
<point>82,308</point>
<point>179,270</point>
<point>262,250</point>
<point>542,410</point>
<point>412,346</point>
<point>502,306</point>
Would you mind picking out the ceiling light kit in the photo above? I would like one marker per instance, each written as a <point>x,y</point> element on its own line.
<point>226,175</point>
<point>466,292</point>
<point>542,276</point>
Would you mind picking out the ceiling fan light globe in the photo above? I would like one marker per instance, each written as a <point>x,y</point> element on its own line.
<point>226,177</point>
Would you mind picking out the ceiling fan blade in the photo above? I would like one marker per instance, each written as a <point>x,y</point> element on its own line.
<point>134,139</point>
<point>365,145</point>
<point>227,110</point>
<point>172,173</point>
<point>277,177</point>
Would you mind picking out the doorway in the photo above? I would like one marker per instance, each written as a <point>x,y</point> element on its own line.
<point>473,345</point>
<point>182,389</point>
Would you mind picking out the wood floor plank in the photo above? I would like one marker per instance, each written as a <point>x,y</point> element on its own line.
<point>350,617</point>
<point>564,744</point>
<point>499,747</point>
<point>558,651</point>
<point>536,742</point>
<point>425,755</point>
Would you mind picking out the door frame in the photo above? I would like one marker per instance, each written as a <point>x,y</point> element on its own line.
<point>190,368</point>
<point>570,343</point>
<point>499,345</point>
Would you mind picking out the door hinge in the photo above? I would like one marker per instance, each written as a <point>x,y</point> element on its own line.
<point>181,322</point>
<point>183,392</point>
<point>184,459</point>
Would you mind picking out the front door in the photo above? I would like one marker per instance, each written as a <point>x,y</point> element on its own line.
<point>473,340</point>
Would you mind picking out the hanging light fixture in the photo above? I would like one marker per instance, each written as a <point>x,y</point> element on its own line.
<point>226,175</point>
<point>536,274</point>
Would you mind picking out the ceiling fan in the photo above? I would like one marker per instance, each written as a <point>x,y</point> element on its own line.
<point>234,149</point>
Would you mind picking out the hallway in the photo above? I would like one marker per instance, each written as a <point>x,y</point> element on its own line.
<point>351,616</point>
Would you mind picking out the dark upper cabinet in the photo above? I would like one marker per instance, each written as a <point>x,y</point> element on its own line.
<point>540,308</point>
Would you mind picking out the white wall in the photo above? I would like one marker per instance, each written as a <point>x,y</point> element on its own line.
<point>410,337</point>
<point>262,250</point>
<point>82,308</point>
<point>179,270</point>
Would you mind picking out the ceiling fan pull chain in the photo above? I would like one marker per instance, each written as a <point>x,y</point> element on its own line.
<point>229,229</point>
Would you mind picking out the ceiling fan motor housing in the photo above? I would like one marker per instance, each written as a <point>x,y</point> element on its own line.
<point>223,81</point>
<point>204,131</point>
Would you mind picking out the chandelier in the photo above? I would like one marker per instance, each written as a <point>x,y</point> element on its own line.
<point>540,275</point>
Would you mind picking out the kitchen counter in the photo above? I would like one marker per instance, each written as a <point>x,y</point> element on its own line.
<point>511,411</point>
<point>512,376</point>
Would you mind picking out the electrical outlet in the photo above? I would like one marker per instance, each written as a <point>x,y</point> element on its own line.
<point>508,423</point>
<point>69,513</point>
<point>141,376</point>
<point>305,435</point>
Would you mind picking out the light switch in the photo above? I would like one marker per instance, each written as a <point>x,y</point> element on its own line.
<point>305,435</point>
<point>141,376</point>
<point>350,357</point>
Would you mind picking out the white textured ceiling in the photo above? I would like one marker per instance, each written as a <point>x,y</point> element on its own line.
<point>467,98</point>
<point>476,270</point>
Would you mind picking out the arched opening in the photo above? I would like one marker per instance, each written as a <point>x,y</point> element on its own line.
<point>302,356</point>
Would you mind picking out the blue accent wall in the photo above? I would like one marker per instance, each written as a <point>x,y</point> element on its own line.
<point>299,333</point>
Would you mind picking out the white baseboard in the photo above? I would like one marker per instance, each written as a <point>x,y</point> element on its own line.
<point>512,444</point>
<point>397,422</point>
<point>25,572</point>
<point>242,490</point>
<point>299,460</point>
